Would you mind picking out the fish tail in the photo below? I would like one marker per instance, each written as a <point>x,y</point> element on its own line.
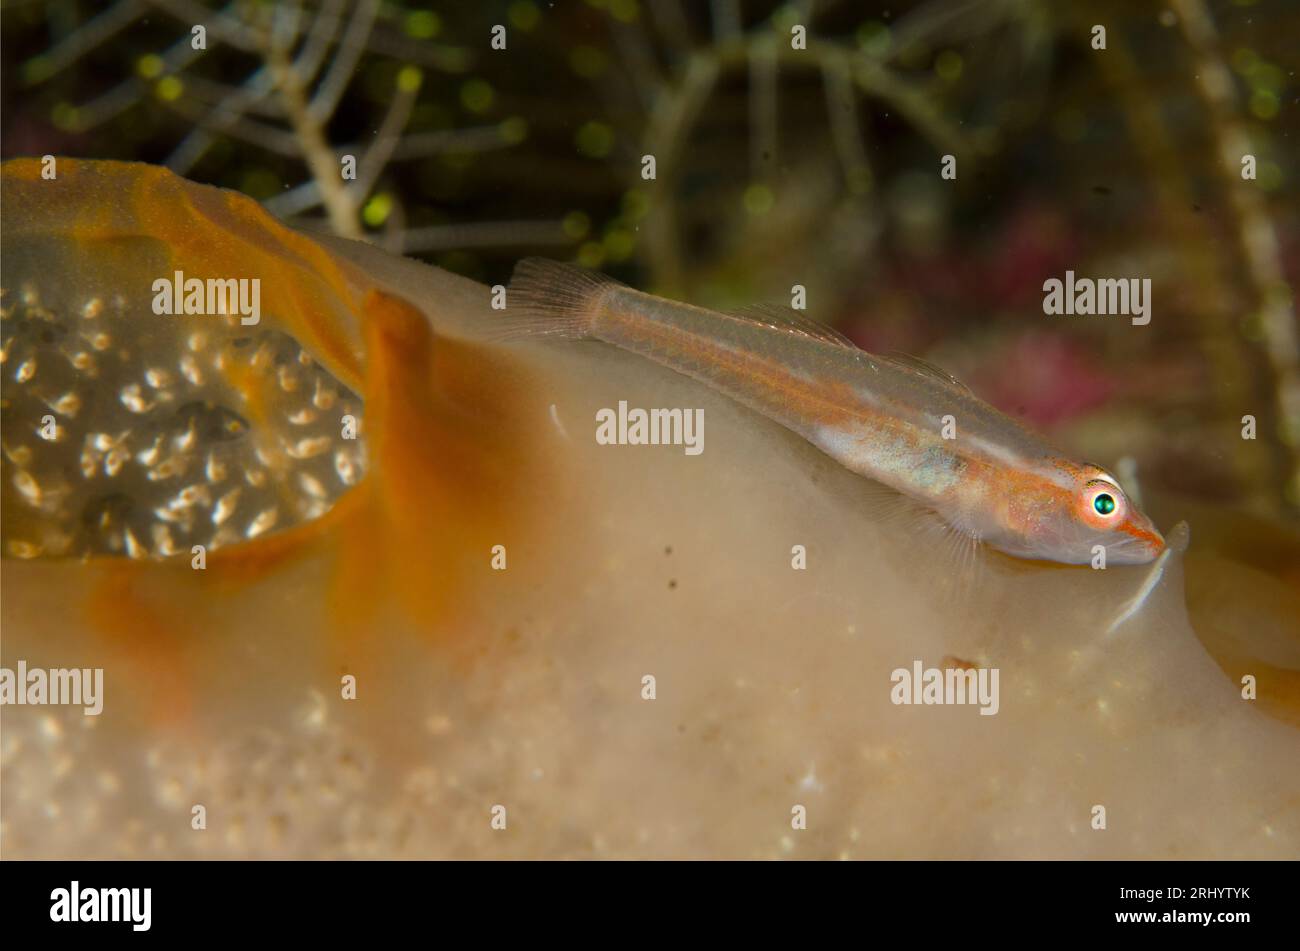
<point>551,299</point>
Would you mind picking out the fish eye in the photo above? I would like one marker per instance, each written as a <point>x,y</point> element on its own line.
<point>1103,499</point>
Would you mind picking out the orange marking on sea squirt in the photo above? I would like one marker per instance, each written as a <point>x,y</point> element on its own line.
<point>202,231</point>
<point>449,454</point>
<point>148,636</point>
<point>446,459</point>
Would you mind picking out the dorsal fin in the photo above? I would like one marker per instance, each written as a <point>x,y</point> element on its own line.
<point>785,318</point>
<point>925,368</point>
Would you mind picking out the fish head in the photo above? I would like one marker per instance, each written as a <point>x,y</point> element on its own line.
<point>1087,508</point>
<point>1073,508</point>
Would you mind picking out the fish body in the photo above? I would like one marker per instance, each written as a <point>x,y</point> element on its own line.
<point>894,420</point>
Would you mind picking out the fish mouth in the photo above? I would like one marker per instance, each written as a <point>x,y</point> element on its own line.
<point>1141,544</point>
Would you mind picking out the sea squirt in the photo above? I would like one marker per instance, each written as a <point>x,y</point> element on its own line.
<point>497,587</point>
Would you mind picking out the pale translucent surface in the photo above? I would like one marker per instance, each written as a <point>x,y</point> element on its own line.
<point>772,684</point>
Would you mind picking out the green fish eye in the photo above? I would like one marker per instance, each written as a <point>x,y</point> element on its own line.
<point>1104,504</point>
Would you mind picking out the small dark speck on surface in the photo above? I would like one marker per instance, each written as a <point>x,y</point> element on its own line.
<point>1101,189</point>
<point>672,583</point>
<point>668,549</point>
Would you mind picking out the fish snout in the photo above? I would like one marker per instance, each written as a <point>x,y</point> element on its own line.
<point>1139,542</point>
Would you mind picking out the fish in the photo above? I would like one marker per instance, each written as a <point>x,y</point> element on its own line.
<point>894,419</point>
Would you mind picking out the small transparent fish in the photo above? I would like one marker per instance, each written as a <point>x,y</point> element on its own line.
<point>896,420</point>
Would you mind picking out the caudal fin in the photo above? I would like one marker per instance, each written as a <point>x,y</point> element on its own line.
<point>550,299</point>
